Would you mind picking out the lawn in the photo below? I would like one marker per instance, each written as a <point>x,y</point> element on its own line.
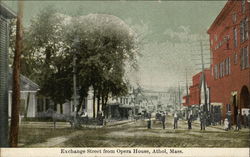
<point>29,135</point>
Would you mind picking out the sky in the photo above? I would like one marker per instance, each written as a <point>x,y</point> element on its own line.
<point>170,33</point>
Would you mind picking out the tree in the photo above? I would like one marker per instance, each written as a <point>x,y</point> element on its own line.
<point>106,44</point>
<point>45,60</point>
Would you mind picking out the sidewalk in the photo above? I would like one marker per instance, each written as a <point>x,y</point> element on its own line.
<point>221,127</point>
<point>67,124</point>
<point>115,123</point>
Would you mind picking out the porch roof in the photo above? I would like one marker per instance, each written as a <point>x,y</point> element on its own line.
<point>6,12</point>
<point>25,84</point>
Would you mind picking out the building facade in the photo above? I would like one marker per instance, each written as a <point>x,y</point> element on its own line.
<point>5,15</point>
<point>230,63</point>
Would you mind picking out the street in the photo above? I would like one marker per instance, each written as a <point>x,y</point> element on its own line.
<point>136,134</point>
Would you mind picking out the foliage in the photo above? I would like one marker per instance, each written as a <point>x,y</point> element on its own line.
<point>103,46</point>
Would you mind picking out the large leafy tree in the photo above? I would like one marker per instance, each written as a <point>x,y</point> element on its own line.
<point>54,73</point>
<point>44,57</point>
<point>105,45</point>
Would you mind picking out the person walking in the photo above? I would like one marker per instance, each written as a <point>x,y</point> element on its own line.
<point>149,120</point>
<point>248,119</point>
<point>229,120</point>
<point>244,119</point>
<point>163,119</point>
<point>238,122</point>
<point>175,120</point>
<point>190,116</point>
<point>203,121</point>
<point>226,124</point>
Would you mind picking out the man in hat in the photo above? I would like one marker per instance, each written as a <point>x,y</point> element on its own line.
<point>163,119</point>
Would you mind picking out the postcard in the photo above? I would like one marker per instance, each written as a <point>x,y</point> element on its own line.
<point>124,78</point>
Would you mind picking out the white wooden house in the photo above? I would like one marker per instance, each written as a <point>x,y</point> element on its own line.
<point>28,97</point>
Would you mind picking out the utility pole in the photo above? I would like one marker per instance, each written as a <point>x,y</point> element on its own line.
<point>13,138</point>
<point>187,89</point>
<point>74,86</point>
<point>179,91</point>
<point>203,79</point>
<point>75,44</point>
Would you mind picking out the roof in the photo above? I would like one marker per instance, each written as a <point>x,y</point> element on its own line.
<point>224,12</point>
<point>25,83</point>
<point>6,12</point>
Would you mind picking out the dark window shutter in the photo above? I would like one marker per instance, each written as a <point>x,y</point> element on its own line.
<point>3,80</point>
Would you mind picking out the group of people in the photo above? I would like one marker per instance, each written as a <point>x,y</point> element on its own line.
<point>203,118</point>
<point>190,118</point>
<point>240,119</point>
<point>162,118</point>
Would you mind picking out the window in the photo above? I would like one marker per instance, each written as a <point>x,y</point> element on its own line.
<point>244,30</point>
<point>234,18</point>
<point>235,58</point>
<point>244,58</point>
<point>235,37</point>
<point>227,66</point>
<point>215,37</point>
<point>221,70</point>
<point>243,6</point>
<point>216,71</point>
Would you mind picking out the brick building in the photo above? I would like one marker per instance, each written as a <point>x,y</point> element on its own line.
<point>195,97</point>
<point>230,63</point>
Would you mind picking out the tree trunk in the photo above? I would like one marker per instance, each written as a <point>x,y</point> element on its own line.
<point>94,103</point>
<point>13,139</point>
<point>103,107</point>
<point>27,106</point>
<point>61,108</point>
<point>98,102</point>
<point>81,99</point>
<point>105,103</point>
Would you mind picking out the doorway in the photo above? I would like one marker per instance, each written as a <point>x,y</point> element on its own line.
<point>244,98</point>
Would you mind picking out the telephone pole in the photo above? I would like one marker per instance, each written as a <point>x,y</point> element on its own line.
<point>203,79</point>
<point>187,89</point>
<point>179,91</point>
<point>13,138</point>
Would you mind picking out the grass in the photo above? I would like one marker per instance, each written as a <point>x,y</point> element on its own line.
<point>29,135</point>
